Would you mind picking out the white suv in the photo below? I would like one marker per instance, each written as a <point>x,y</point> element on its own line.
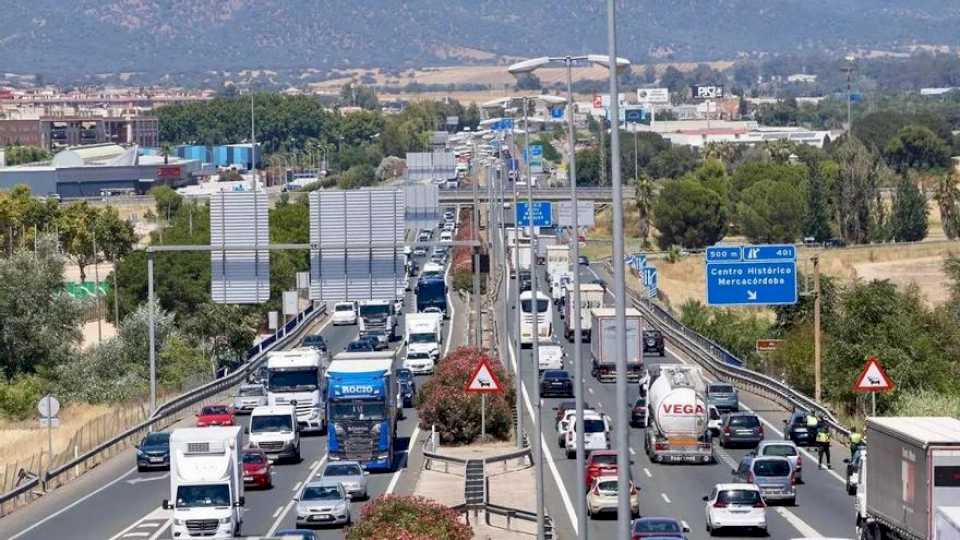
<point>596,434</point>
<point>344,313</point>
<point>737,506</point>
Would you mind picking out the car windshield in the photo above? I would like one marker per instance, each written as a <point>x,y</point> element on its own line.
<point>343,307</point>
<point>421,355</point>
<point>423,338</point>
<point>157,439</point>
<point>292,380</point>
<point>359,346</point>
<point>739,496</point>
<point>714,413</point>
<point>604,459</point>
<point>206,495</point>
<point>782,450</point>
<point>358,410</point>
<point>271,423</point>
<point>248,391</point>
<point>744,421</point>
<point>214,409</point>
<point>721,389</point>
<point>316,341</point>
<point>321,493</point>
<point>375,310</point>
<point>771,467</point>
<point>254,458</point>
<point>660,526</point>
<point>343,470</point>
<point>527,306</point>
<point>593,425</point>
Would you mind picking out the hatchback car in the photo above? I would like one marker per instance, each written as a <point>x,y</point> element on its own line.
<point>773,475</point>
<point>735,506</point>
<point>257,469</point>
<point>604,494</point>
<point>596,434</point>
<point>658,527</point>
<point>215,415</point>
<point>323,502</point>
<point>556,382</point>
<point>600,463</point>
<point>248,397</point>
<point>350,474</point>
<point>568,405</point>
<point>741,429</point>
<point>795,429</point>
<point>344,313</point>
<point>638,413</point>
<point>723,396</point>
<point>785,449</point>
<point>153,452</point>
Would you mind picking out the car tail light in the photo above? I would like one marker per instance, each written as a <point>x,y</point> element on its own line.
<point>760,429</point>
<point>793,479</point>
<point>719,504</point>
<point>759,503</point>
<point>662,446</point>
<point>726,429</point>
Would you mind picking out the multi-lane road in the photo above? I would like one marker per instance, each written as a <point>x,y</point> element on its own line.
<point>116,502</point>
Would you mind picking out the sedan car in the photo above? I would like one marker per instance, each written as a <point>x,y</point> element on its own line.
<point>773,475</point>
<point>795,429</point>
<point>323,502</point>
<point>638,413</point>
<point>248,397</point>
<point>257,469</point>
<point>603,495</point>
<point>564,406</point>
<point>784,449</point>
<point>735,506</point>
<point>600,463</point>
<point>658,527</point>
<point>741,429</point>
<point>723,396</point>
<point>360,345</point>
<point>153,452</point>
<point>379,339</point>
<point>300,534</point>
<point>350,475</point>
<point>215,415</point>
<point>556,382</point>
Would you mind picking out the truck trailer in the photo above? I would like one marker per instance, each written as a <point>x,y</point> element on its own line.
<point>591,297</point>
<point>917,470</point>
<point>603,342</point>
<point>678,430</point>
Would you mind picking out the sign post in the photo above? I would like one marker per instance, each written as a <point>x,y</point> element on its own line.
<point>483,381</point>
<point>872,379</point>
<point>49,407</point>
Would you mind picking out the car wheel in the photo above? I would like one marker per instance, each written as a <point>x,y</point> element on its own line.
<point>296,456</point>
<point>571,455</point>
<point>851,490</point>
<point>764,532</point>
<point>141,469</point>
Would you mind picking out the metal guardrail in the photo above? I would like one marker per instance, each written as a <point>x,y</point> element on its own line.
<point>255,356</point>
<point>504,511</point>
<point>728,367</point>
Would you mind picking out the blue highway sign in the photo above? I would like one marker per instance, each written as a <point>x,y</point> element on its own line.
<point>751,275</point>
<point>542,214</point>
<point>650,281</point>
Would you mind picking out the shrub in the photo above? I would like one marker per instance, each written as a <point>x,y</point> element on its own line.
<point>463,281</point>
<point>19,397</point>
<point>443,403</point>
<point>407,518</point>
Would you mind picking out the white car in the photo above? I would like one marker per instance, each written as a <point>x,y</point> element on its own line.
<point>419,362</point>
<point>596,434</point>
<point>420,251</point>
<point>344,313</point>
<point>715,422</point>
<point>550,356</point>
<point>446,235</point>
<point>735,506</point>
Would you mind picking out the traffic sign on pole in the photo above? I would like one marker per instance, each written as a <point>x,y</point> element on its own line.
<point>768,344</point>
<point>483,380</point>
<point>542,214</point>
<point>650,280</point>
<point>751,275</point>
<point>873,378</point>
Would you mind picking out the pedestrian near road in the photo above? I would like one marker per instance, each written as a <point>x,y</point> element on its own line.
<point>856,442</point>
<point>823,446</point>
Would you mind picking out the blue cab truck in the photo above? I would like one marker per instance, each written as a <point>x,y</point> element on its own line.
<point>361,395</point>
<point>431,291</point>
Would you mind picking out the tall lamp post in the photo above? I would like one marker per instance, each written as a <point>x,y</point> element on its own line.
<point>529,66</point>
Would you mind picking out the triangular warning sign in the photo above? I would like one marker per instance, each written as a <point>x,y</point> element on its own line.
<point>483,379</point>
<point>873,378</point>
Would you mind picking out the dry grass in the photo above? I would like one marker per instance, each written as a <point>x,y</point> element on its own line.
<point>21,440</point>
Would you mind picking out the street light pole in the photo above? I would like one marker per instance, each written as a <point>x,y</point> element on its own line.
<point>151,333</point>
<point>620,351</point>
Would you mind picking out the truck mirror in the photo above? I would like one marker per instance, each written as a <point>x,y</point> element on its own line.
<point>242,501</point>
<point>246,430</point>
<point>166,505</point>
<point>705,498</point>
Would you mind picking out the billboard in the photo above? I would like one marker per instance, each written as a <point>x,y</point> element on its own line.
<point>706,91</point>
<point>653,95</point>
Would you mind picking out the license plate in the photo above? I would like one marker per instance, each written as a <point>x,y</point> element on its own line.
<point>321,518</point>
<point>156,460</point>
<point>248,479</point>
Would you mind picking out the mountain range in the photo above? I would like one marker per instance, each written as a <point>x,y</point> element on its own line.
<point>69,38</point>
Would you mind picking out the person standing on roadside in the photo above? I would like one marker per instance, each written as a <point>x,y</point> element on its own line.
<point>823,445</point>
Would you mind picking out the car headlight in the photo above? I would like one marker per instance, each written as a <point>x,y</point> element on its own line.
<point>179,522</point>
<point>139,452</point>
<point>376,430</point>
<point>338,429</point>
<point>226,520</point>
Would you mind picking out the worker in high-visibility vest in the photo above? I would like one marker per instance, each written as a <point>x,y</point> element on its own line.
<point>812,422</point>
<point>823,446</point>
<point>856,442</point>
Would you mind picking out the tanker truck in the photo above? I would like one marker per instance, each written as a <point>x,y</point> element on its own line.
<point>678,431</point>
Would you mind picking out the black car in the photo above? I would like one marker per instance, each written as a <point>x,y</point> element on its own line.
<point>583,261</point>
<point>362,344</point>
<point>315,341</point>
<point>653,342</point>
<point>408,387</point>
<point>796,430</point>
<point>556,382</point>
<point>526,283</point>
<point>638,413</point>
<point>153,452</point>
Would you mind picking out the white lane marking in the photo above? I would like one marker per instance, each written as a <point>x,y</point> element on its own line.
<point>665,498</point>
<point>296,486</point>
<point>684,524</point>
<point>564,493</point>
<point>158,517</point>
<point>286,509</point>
<point>277,511</point>
<point>147,525</point>
<point>161,530</point>
<point>73,504</point>
<point>646,471</point>
<point>632,452</point>
<point>396,475</point>
<point>589,389</point>
<point>136,535</point>
<point>800,525</point>
<point>314,464</point>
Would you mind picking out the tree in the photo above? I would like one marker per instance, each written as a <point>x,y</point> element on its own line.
<point>645,200</point>
<point>167,201</point>
<point>528,81</point>
<point>947,196</point>
<point>76,225</point>
<point>358,176</point>
<point>230,330</point>
<point>17,154</point>
<point>673,162</point>
<point>916,147</point>
<point>358,95</point>
<point>909,220</point>
<point>588,167</point>
<point>770,212</point>
<point>408,518</point>
<point>817,216</point>
<point>689,214</point>
<point>856,191</point>
<point>674,79</point>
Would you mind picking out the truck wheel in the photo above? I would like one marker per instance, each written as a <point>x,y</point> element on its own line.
<point>296,456</point>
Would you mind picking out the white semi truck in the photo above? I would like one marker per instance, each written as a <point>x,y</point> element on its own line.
<point>678,430</point>
<point>917,464</point>
<point>558,261</point>
<point>591,297</point>
<point>294,378</point>
<point>206,482</point>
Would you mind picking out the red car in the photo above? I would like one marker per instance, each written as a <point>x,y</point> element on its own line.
<point>257,470</point>
<point>215,415</point>
<point>600,463</point>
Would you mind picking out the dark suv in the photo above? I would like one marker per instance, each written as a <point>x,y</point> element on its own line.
<point>315,341</point>
<point>741,428</point>
<point>653,342</point>
<point>795,429</point>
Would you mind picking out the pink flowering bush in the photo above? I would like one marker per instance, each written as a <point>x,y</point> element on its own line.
<point>407,518</point>
<point>444,403</point>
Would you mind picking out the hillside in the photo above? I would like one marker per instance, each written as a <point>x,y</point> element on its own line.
<point>67,39</point>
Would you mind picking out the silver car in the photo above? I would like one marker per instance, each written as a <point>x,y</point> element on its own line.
<point>350,474</point>
<point>785,449</point>
<point>773,475</point>
<point>323,502</point>
<point>249,396</point>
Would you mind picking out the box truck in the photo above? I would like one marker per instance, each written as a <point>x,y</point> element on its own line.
<point>603,342</point>
<point>591,297</point>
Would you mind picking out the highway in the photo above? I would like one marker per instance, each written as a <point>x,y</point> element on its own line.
<point>116,502</point>
<point>824,509</point>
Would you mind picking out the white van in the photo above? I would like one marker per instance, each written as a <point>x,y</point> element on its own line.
<point>344,313</point>
<point>274,430</point>
<point>596,434</point>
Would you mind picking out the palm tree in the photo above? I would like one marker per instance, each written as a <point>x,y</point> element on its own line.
<point>645,197</point>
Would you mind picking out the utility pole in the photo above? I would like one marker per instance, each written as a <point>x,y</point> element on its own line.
<point>151,308</point>
<point>478,336</point>
<point>848,70</point>
<point>816,328</point>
